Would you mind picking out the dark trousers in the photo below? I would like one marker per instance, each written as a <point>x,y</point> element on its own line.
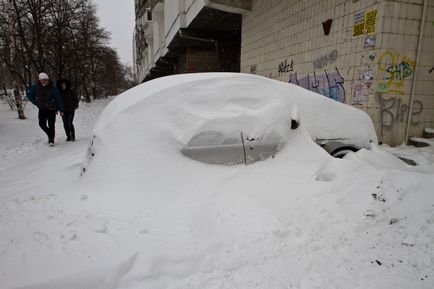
<point>68,118</point>
<point>47,116</point>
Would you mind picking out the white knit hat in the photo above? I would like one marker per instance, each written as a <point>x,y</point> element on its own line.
<point>43,75</point>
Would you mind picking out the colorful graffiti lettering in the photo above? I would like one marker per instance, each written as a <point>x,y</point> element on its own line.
<point>397,69</point>
<point>329,84</point>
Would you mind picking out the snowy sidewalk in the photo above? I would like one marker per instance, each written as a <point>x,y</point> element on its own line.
<point>32,176</point>
<point>23,140</point>
<point>26,160</point>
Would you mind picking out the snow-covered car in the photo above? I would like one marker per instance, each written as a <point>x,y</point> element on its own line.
<point>228,118</point>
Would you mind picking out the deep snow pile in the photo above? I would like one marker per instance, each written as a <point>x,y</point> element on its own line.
<point>145,216</point>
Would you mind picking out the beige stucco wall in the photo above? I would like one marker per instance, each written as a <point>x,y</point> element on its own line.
<point>285,40</point>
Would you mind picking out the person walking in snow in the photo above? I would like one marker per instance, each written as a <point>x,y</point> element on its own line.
<point>47,98</point>
<point>70,102</point>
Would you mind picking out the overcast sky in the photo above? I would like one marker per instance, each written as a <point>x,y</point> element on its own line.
<point>117,16</point>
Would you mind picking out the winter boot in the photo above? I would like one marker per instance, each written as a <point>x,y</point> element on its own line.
<point>73,134</point>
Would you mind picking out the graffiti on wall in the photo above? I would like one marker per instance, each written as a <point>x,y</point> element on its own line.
<point>285,67</point>
<point>253,69</point>
<point>393,111</point>
<point>397,70</point>
<point>325,60</point>
<point>329,84</point>
<point>431,70</point>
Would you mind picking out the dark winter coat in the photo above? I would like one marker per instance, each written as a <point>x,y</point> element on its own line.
<point>70,100</point>
<point>45,97</point>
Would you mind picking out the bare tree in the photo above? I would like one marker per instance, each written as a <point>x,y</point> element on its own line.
<point>62,15</point>
<point>9,25</point>
<point>62,38</point>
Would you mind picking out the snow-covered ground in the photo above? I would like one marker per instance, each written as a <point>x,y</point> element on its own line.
<point>300,220</point>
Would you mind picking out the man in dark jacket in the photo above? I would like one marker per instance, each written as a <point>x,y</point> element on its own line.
<point>46,97</point>
<point>70,102</point>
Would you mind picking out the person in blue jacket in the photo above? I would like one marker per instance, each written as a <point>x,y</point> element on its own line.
<point>47,98</point>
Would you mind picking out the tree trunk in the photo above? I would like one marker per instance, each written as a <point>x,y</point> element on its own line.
<point>86,93</point>
<point>18,99</point>
<point>4,88</point>
<point>19,103</point>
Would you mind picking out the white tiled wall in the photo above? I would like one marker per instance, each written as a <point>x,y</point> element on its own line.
<point>275,31</point>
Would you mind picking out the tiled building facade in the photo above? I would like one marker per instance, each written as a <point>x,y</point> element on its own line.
<point>361,52</point>
<point>372,54</point>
